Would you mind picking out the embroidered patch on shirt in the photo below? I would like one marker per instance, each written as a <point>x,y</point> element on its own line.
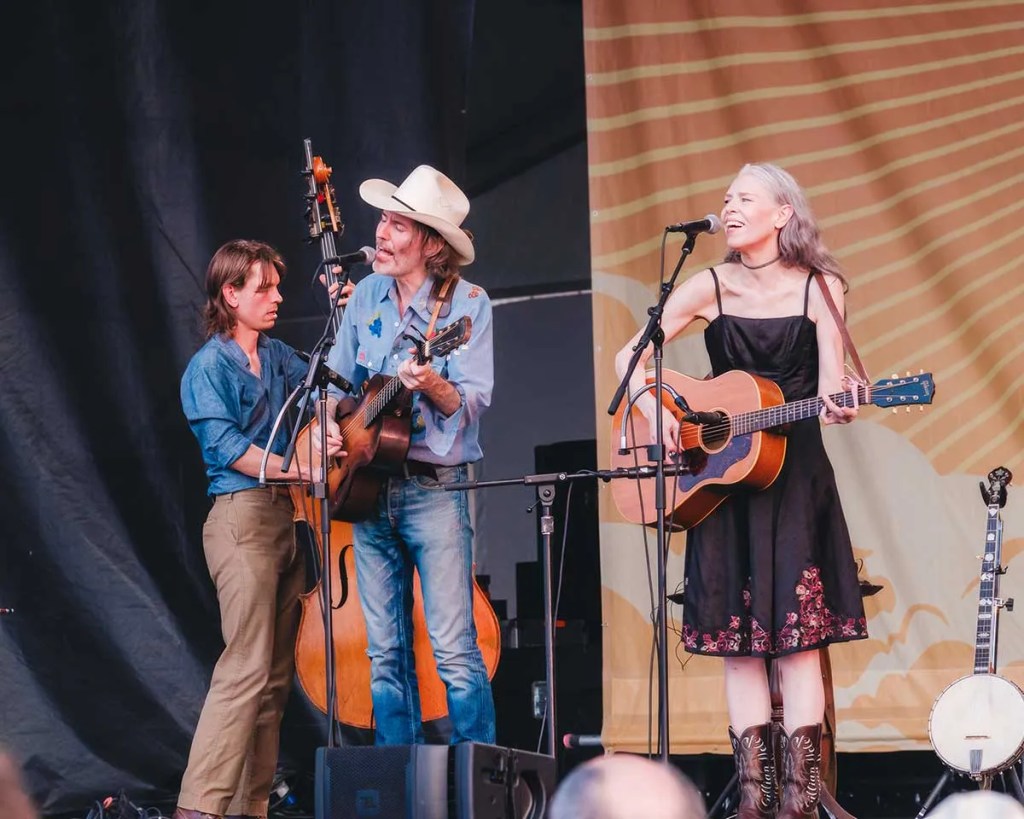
<point>476,291</point>
<point>375,325</point>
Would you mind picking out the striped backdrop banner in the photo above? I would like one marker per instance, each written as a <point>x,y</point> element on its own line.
<point>904,122</point>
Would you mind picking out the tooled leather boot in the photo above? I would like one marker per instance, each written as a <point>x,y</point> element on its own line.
<point>756,770</point>
<point>801,772</point>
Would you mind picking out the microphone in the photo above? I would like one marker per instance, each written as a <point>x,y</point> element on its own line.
<point>709,224</point>
<point>342,384</point>
<point>365,255</point>
<point>705,418</point>
<point>582,741</point>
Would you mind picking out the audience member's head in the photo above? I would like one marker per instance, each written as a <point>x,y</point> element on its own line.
<point>14,804</point>
<point>623,786</point>
<point>978,805</point>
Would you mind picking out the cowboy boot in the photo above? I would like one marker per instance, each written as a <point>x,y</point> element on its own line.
<point>801,772</point>
<point>756,771</point>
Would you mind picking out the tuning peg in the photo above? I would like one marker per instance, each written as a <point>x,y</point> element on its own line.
<point>895,375</point>
<point>895,410</point>
<point>920,408</point>
<point>908,409</point>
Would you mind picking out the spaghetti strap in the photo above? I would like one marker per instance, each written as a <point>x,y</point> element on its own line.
<point>807,291</point>
<point>718,292</point>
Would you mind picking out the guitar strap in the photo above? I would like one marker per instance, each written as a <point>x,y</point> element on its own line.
<point>847,341</point>
<point>438,304</point>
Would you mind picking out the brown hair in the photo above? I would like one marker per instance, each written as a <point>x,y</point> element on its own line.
<point>442,263</point>
<point>231,264</point>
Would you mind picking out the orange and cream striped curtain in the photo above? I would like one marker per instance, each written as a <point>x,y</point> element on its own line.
<point>904,122</point>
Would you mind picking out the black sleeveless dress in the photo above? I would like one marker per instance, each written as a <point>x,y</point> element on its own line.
<point>772,572</point>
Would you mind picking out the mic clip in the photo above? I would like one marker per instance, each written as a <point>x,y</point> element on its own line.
<point>704,418</point>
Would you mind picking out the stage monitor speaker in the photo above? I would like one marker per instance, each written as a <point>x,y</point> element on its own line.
<point>493,782</point>
<point>387,782</point>
<point>468,781</point>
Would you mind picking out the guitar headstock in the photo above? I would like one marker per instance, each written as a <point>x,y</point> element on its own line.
<point>903,392</point>
<point>321,208</point>
<point>443,341</point>
<point>995,493</point>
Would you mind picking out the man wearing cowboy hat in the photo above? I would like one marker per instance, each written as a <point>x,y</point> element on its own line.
<point>420,249</point>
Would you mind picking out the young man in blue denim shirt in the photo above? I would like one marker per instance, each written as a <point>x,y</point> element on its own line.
<point>231,392</point>
<point>419,243</point>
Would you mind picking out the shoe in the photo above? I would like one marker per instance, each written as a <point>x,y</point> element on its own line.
<point>185,813</point>
<point>801,772</point>
<point>755,766</point>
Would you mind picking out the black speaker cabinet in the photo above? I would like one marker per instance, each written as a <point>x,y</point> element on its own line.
<point>492,782</point>
<point>467,781</point>
<point>389,782</point>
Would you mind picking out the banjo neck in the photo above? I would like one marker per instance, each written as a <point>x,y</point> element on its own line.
<point>989,602</point>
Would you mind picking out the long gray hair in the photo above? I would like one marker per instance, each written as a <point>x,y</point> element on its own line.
<point>800,243</point>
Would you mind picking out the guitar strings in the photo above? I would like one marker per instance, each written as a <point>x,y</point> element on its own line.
<point>737,424</point>
<point>375,405</point>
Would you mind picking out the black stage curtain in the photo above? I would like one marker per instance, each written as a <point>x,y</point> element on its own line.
<point>138,136</point>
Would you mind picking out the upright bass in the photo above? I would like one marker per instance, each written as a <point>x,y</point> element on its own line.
<point>373,433</point>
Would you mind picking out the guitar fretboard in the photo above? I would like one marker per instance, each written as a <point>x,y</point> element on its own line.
<point>745,423</point>
<point>988,611</point>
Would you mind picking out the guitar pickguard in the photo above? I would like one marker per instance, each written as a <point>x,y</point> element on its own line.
<point>709,466</point>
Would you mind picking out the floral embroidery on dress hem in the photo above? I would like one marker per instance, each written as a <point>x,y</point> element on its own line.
<point>814,624</point>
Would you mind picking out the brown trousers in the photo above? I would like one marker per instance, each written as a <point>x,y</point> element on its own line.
<point>249,541</point>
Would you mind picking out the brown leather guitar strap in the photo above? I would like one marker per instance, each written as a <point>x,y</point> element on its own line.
<point>847,341</point>
<point>445,285</point>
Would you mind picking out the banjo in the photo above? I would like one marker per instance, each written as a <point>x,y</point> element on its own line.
<point>977,724</point>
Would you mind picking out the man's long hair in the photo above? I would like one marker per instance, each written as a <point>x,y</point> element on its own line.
<point>800,242</point>
<point>231,264</point>
<point>441,264</point>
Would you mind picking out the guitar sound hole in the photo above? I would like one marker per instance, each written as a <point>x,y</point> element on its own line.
<point>714,437</point>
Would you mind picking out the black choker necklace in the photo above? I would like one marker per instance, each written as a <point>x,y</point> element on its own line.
<point>759,266</point>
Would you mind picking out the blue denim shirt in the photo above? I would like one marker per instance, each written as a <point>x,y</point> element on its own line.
<point>229,408</point>
<point>370,341</point>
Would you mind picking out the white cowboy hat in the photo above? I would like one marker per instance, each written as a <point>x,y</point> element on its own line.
<point>429,197</point>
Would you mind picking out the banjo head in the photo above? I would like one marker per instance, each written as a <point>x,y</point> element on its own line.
<point>977,724</point>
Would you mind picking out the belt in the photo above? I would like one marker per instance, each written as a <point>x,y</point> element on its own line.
<point>422,468</point>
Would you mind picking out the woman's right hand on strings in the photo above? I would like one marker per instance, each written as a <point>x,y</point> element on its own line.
<point>669,428</point>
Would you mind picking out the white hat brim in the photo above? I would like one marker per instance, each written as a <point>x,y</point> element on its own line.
<point>380,194</point>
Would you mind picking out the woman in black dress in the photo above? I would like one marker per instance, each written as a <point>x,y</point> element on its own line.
<point>771,573</point>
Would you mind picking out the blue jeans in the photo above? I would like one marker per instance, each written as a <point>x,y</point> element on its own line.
<point>429,529</point>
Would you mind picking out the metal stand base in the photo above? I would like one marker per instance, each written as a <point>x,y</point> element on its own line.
<point>1010,773</point>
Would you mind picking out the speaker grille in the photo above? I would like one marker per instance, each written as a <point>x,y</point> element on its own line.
<point>389,782</point>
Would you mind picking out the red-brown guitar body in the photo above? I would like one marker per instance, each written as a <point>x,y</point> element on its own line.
<point>743,452</point>
<point>374,452</point>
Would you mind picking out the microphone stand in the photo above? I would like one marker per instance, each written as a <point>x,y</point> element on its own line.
<point>317,377</point>
<point>654,334</point>
<point>545,484</point>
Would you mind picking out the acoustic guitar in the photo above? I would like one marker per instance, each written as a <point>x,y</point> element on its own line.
<point>976,725</point>
<point>376,429</point>
<point>744,450</point>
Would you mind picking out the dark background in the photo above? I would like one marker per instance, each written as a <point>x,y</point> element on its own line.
<point>138,137</point>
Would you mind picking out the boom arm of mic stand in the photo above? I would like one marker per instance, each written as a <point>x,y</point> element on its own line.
<point>653,324</point>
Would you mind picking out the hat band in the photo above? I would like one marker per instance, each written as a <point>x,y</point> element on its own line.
<point>404,204</point>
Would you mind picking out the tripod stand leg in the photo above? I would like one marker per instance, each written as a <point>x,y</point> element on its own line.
<point>1018,790</point>
<point>934,795</point>
<point>723,797</point>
